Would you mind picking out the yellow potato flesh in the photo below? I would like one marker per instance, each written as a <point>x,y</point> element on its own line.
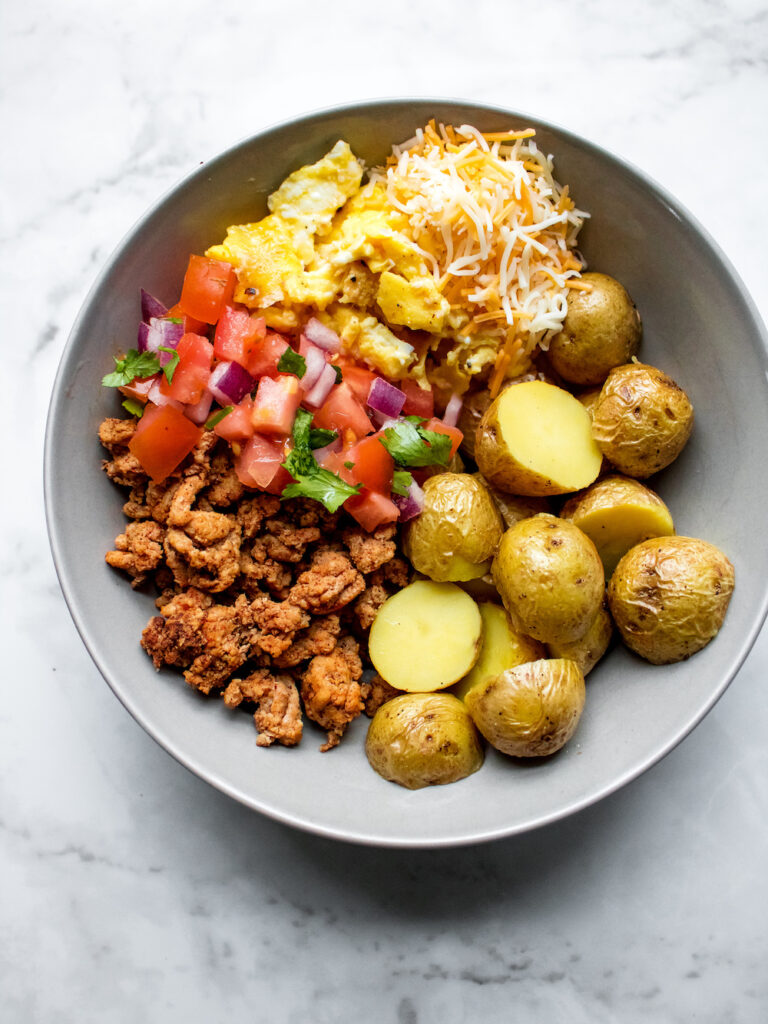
<point>503,647</point>
<point>543,441</point>
<point>425,637</point>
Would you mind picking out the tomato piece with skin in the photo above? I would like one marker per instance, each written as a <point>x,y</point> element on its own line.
<point>342,411</point>
<point>191,326</point>
<point>237,424</point>
<point>438,427</point>
<point>139,388</point>
<point>275,404</point>
<point>259,463</point>
<point>266,355</point>
<point>371,509</point>
<point>163,438</point>
<point>237,335</point>
<point>373,465</point>
<point>359,380</point>
<point>208,286</point>
<point>192,372</point>
<point>419,401</point>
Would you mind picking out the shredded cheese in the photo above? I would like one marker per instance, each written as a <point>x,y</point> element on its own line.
<point>496,229</point>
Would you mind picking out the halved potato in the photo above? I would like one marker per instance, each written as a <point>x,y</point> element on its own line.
<point>425,637</point>
<point>503,647</point>
<point>536,439</point>
<point>618,512</point>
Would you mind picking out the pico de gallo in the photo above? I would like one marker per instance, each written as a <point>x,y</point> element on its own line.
<point>301,417</point>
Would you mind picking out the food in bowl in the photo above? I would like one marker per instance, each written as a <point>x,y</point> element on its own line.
<point>283,428</point>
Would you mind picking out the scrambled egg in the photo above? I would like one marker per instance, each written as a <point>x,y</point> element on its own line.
<point>322,232</point>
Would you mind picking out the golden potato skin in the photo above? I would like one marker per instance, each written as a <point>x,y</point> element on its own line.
<point>669,595</point>
<point>475,404</point>
<point>550,578</point>
<point>423,739</point>
<point>458,531</point>
<point>642,420</point>
<point>590,648</point>
<point>514,507</point>
<point>601,330</point>
<point>531,710</point>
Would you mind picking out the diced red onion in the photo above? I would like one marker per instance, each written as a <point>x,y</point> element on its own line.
<point>159,333</point>
<point>385,398</point>
<point>230,383</point>
<point>329,449</point>
<point>198,413</point>
<point>322,336</point>
<point>452,410</point>
<point>322,387</point>
<point>316,363</point>
<point>156,396</point>
<point>150,306</point>
<point>410,504</point>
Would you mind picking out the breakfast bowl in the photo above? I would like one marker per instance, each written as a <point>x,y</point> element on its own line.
<point>699,325</point>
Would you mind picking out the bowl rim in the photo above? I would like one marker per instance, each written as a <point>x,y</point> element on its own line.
<point>361,837</point>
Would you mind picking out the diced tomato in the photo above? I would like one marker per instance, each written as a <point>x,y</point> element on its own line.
<point>259,462</point>
<point>237,424</point>
<point>164,436</point>
<point>373,465</point>
<point>371,509</point>
<point>191,326</point>
<point>139,388</point>
<point>275,404</point>
<point>419,401</point>
<point>359,380</point>
<point>266,355</point>
<point>192,370</point>
<point>237,335</point>
<point>342,411</point>
<point>438,427</point>
<point>208,286</point>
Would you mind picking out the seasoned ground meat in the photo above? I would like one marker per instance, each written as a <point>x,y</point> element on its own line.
<point>259,597</point>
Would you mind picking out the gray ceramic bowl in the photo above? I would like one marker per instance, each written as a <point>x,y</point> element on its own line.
<point>700,327</point>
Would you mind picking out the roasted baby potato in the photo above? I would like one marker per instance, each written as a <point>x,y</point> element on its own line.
<point>425,637</point>
<point>423,739</point>
<point>590,648</point>
<point>616,513</point>
<point>550,578</point>
<point>536,439</point>
<point>458,531</point>
<point>514,507</point>
<point>642,420</point>
<point>668,597</point>
<point>503,647</point>
<point>531,710</point>
<point>601,330</point>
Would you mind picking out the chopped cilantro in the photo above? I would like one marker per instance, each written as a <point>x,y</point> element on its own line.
<point>133,407</point>
<point>349,465</point>
<point>133,364</point>
<point>339,374</point>
<point>319,438</point>
<point>411,445</point>
<point>311,480</point>
<point>292,362</point>
<point>170,367</point>
<point>217,417</point>
<point>401,481</point>
<point>173,319</point>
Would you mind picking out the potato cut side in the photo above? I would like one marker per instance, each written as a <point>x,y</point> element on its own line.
<point>536,439</point>
<point>503,647</point>
<point>425,637</point>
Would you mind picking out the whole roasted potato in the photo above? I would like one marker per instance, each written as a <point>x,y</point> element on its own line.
<point>669,595</point>
<point>457,533</point>
<point>550,578</point>
<point>423,739</point>
<point>531,710</point>
<point>601,330</point>
<point>514,507</point>
<point>642,420</point>
<point>588,649</point>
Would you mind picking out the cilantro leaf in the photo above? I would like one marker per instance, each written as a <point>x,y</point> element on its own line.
<point>302,425</point>
<point>292,362</point>
<point>170,367</point>
<point>349,465</point>
<point>401,481</point>
<point>322,485</point>
<point>217,417</point>
<point>133,364</point>
<point>319,438</point>
<point>173,319</point>
<point>410,445</point>
<point>339,374</point>
<point>133,407</point>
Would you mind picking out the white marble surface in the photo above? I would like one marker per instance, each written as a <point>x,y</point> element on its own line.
<point>131,891</point>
